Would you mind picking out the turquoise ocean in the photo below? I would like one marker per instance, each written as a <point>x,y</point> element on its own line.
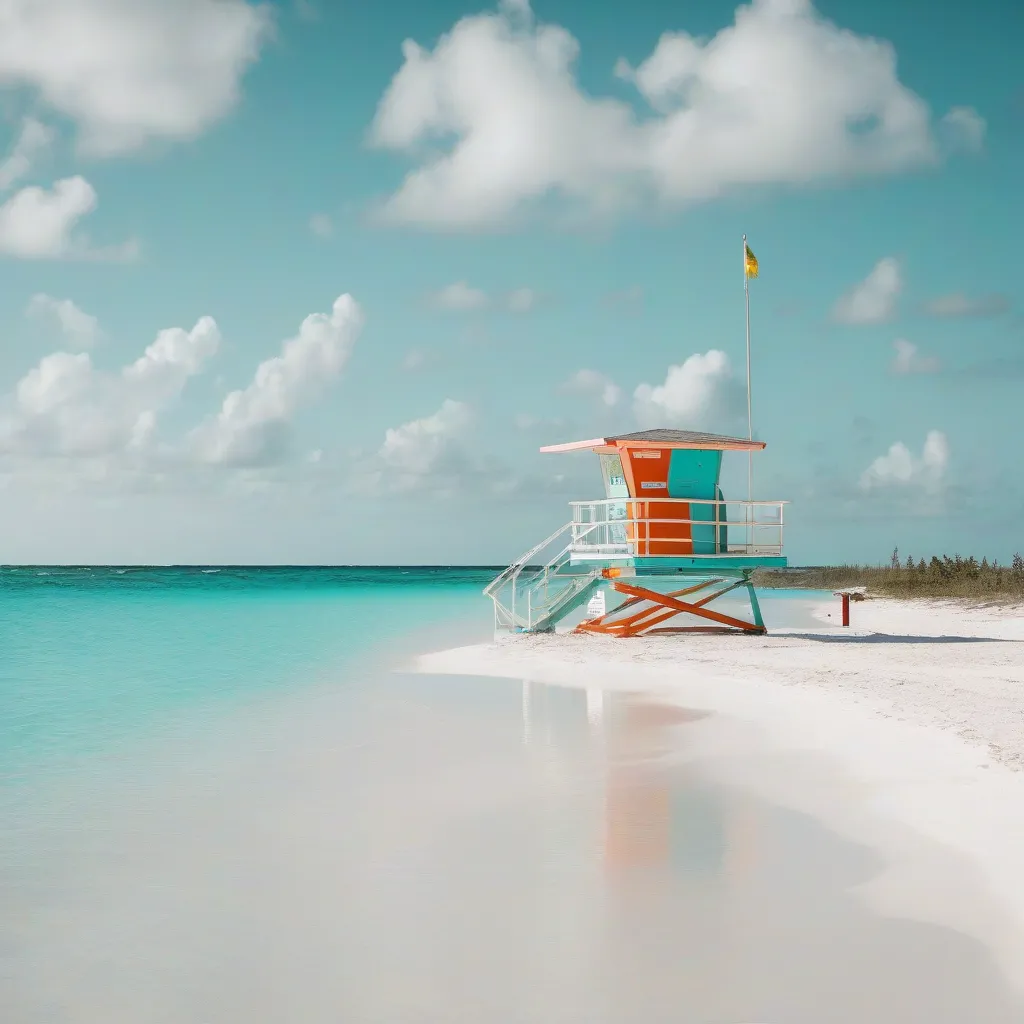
<point>92,656</point>
<point>225,798</point>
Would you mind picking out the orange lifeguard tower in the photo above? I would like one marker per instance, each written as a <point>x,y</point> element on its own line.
<point>663,520</point>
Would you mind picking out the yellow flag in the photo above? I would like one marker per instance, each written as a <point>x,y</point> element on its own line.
<point>749,262</point>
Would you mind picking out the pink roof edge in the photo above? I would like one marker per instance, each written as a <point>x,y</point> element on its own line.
<point>574,446</point>
<point>662,438</point>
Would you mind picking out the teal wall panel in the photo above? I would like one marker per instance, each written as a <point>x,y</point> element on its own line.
<point>694,473</point>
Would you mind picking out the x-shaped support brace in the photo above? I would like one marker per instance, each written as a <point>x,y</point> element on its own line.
<point>656,608</point>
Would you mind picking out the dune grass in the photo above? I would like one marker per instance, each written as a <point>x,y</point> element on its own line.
<point>944,577</point>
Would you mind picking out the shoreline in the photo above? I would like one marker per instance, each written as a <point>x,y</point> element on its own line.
<point>904,732</point>
<point>1001,587</point>
<point>1005,602</point>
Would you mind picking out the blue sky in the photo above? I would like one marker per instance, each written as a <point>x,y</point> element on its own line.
<point>536,216</point>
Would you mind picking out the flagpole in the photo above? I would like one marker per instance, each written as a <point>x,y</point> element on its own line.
<point>750,422</point>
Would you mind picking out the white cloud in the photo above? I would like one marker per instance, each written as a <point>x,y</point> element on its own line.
<point>459,297</point>
<point>522,300</point>
<point>415,359</point>
<point>34,139</point>
<point>102,425</point>
<point>594,383</point>
<point>964,128</point>
<point>782,96</point>
<point>700,394</point>
<point>78,328</point>
<point>958,304</point>
<point>424,452</point>
<point>909,360</point>
<point>899,467</point>
<point>37,223</point>
<point>127,71</point>
<point>435,455</point>
<point>253,425</point>
<point>321,225</point>
<point>873,301</point>
<point>65,406</point>
<point>516,10</point>
<point>127,251</point>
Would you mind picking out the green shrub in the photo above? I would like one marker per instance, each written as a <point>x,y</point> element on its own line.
<point>951,577</point>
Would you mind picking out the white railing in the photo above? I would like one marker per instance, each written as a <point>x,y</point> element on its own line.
<point>539,583</point>
<point>624,527</point>
<point>552,578</point>
<point>511,574</point>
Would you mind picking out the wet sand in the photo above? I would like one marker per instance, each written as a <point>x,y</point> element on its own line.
<point>456,848</point>
<point>904,733</point>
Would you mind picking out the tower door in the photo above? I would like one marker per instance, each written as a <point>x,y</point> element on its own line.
<point>615,486</point>
<point>694,474</point>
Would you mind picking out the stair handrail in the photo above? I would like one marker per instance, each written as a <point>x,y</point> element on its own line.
<point>551,568</point>
<point>517,566</point>
<point>563,598</point>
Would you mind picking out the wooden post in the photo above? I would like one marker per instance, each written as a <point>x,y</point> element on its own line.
<point>846,609</point>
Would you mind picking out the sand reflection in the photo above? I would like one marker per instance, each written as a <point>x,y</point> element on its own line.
<point>411,854</point>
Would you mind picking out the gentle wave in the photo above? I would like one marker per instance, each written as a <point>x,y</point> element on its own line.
<point>98,577</point>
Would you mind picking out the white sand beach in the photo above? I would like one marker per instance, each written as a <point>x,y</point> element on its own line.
<point>904,733</point>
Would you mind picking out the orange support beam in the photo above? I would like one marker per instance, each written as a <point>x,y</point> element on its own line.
<point>599,625</point>
<point>671,612</point>
<point>661,607</point>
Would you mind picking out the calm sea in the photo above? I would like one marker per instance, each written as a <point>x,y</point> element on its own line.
<point>223,799</point>
<point>90,656</point>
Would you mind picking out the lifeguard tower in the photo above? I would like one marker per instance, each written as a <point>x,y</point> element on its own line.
<point>663,537</point>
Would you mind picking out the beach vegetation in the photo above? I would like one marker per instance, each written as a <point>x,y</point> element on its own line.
<point>939,577</point>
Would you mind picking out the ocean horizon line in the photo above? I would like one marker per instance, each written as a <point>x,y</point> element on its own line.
<point>498,566</point>
<point>249,565</point>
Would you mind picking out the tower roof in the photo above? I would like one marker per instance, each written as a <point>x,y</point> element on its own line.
<point>661,438</point>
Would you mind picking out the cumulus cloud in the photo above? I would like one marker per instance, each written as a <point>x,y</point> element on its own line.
<point>34,138</point>
<point>253,425</point>
<point>700,394</point>
<point>79,329</point>
<point>873,301</point>
<point>460,297</point>
<point>65,406</point>
<point>414,359</point>
<point>899,467</point>
<point>964,128</point>
<point>107,422</point>
<point>909,360</point>
<point>958,304</point>
<point>121,252</point>
<point>38,223</point>
<point>128,71</point>
<point>594,383</point>
<point>782,96</point>
<point>521,300</point>
<point>424,453</point>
